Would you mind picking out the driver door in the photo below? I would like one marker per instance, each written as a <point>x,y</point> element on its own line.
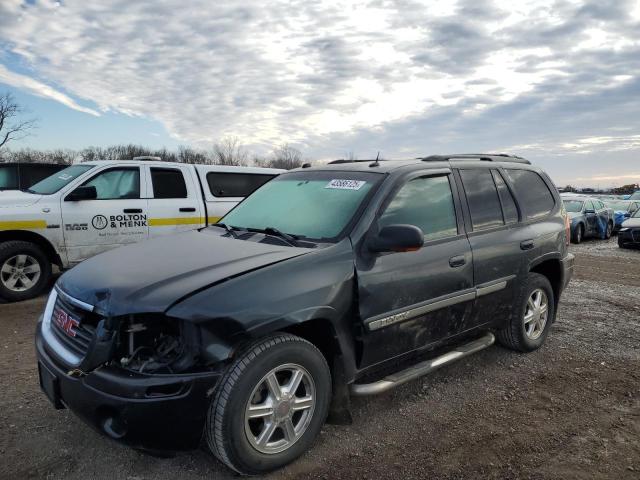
<point>116,217</point>
<point>409,300</point>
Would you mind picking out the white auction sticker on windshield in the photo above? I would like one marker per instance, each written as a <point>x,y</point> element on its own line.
<point>65,176</point>
<point>346,184</point>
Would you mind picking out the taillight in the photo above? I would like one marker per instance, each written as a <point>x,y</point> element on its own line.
<point>567,226</point>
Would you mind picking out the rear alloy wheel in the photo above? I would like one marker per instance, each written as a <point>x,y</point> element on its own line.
<point>531,320</point>
<point>270,404</point>
<point>24,270</point>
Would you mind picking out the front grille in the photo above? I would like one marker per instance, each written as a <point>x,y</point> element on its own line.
<point>73,327</point>
<point>635,235</point>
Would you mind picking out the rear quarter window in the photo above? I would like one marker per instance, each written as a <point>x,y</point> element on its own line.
<point>532,191</point>
<point>235,184</point>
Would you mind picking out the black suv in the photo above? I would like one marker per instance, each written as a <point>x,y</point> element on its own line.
<point>345,279</point>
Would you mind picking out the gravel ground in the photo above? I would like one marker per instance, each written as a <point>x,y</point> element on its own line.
<point>570,410</point>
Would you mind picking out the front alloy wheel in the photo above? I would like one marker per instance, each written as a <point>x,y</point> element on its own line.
<point>280,409</point>
<point>269,405</point>
<point>20,273</point>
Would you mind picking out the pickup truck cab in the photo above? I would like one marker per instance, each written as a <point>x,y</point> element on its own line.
<point>92,207</point>
<point>345,279</point>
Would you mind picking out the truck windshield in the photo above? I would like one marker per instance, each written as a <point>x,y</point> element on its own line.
<point>9,177</point>
<point>55,182</point>
<point>573,205</point>
<point>314,205</point>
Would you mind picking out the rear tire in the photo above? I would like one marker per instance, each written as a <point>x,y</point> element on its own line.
<point>530,324</point>
<point>257,421</point>
<point>578,234</point>
<point>25,271</point>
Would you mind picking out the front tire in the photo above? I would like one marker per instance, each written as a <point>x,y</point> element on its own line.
<point>609,231</point>
<point>530,324</point>
<point>25,271</point>
<point>270,405</point>
<point>578,234</point>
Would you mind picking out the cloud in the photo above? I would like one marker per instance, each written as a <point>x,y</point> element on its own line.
<point>40,89</point>
<point>407,76</point>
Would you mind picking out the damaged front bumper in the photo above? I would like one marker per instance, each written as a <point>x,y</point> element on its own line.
<point>156,412</point>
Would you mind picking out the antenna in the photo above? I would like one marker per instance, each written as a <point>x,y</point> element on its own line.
<point>377,162</point>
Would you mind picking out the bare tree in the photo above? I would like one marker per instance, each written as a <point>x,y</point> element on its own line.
<point>229,151</point>
<point>11,128</point>
<point>285,156</point>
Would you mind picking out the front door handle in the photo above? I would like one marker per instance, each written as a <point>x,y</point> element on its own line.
<point>187,209</point>
<point>457,261</point>
<point>526,245</point>
<point>132,210</point>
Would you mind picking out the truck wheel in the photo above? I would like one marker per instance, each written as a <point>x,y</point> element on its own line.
<point>578,234</point>
<point>270,405</point>
<point>24,270</point>
<point>529,325</point>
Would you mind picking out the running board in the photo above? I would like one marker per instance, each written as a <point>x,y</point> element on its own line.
<point>422,368</point>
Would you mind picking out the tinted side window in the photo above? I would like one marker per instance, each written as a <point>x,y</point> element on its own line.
<point>482,197</point>
<point>235,184</point>
<point>117,183</point>
<point>425,202</point>
<point>168,183</point>
<point>8,177</point>
<point>532,192</point>
<point>509,209</point>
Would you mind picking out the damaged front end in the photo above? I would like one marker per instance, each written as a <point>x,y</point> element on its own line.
<point>140,379</point>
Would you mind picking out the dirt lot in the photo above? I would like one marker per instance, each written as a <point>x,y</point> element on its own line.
<point>570,410</point>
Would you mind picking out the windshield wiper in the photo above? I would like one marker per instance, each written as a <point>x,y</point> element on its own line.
<point>228,228</point>
<point>292,240</point>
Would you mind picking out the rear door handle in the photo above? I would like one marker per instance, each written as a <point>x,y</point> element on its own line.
<point>526,245</point>
<point>457,261</point>
<point>132,210</point>
<point>187,209</point>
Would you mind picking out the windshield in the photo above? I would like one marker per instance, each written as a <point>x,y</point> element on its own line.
<point>636,214</point>
<point>573,206</point>
<point>9,177</point>
<point>314,205</point>
<point>58,180</point>
<point>635,196</point>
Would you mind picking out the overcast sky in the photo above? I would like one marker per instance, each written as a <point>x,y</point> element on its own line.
<point>555,81</point>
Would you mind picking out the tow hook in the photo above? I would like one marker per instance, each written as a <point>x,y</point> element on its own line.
<point>76,373</point>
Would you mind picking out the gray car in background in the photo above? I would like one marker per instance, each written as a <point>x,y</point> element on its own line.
<point>589,216</point>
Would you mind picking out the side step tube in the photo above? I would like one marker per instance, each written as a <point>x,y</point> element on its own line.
<point>422,368</point>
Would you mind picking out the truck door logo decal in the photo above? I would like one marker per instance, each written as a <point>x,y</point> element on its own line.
<point>99,222</point>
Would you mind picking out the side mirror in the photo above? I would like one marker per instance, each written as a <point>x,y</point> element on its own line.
<point>397,238</point>
<point>589,211</point>
<point>627,214</point>
<point>82,193</point>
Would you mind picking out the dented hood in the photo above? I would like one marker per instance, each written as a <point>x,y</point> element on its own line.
<point>153,275</point>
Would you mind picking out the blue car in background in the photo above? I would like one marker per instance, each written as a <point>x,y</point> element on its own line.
<point>589,217</point>
<point>622,209</point>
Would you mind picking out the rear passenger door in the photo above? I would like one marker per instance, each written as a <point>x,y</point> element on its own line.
<point>409,300</point>
<point>174,200</point>
<point>497,241</point>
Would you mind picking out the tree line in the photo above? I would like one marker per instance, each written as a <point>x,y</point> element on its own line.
<point>226,152</point>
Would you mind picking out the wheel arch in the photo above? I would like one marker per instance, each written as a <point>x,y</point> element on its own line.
<point>552,270</point>
<point>35,238</point>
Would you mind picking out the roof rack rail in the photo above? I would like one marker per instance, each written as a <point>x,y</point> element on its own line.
<point>342,160</point>
<point>147,158</point>
<point>486,157</point>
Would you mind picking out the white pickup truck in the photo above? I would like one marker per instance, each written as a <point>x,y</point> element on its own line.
<point>91,207</point>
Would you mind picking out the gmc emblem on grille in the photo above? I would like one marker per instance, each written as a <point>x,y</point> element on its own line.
<point>65,322</point>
